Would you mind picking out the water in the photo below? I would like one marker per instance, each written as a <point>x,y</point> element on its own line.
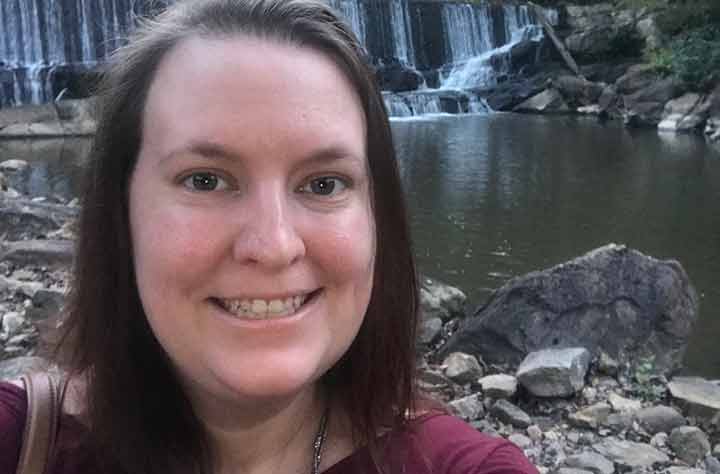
<point>496,196</point>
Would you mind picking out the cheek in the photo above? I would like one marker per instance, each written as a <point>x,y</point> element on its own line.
<point>167,245</point>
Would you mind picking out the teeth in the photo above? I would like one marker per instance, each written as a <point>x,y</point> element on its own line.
<point>261,309</point>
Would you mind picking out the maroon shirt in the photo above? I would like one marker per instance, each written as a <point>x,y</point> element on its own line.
<point>440,444</point>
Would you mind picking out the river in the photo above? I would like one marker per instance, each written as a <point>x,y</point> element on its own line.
<point>495,196</point>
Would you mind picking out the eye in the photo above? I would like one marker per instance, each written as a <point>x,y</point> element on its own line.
<point>205,181</point>
<point>325,186</point>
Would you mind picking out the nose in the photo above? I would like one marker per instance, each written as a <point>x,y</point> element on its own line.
<point>270,237</point>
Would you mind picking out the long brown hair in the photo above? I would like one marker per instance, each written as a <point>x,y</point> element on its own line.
<point>138,416</point>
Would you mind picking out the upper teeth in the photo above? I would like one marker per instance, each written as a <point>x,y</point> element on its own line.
<point>259,308</point>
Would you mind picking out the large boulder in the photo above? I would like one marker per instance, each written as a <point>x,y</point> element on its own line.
<point>685,113</point>
<point>578,91</point>
<point>700,397</point>
<point>548,101</point>
<point>614,300</point>
<point>638,76</point>
<point>629,454</point>
<point>396,77</point>
<point>645,107</point>
<point>595,30</point>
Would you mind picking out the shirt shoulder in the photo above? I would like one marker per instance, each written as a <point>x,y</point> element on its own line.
<point>444,444</point>
<point>13,408</point>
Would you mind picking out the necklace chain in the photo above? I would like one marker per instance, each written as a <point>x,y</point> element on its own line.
<point>318,443</point>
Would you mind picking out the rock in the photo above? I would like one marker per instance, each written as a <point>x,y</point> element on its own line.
<point>520,440</point>
<point>506,412</point>
<point>462,368</point>
<point>48,253</point>
<point>396,77</point>
<point>592,462</point>
<point>613,300</point>
<point>499,385</point>
<point>468,408</point>
<point>572,470</point>
<point>13,368</point>
<point>637,77</point>
<point>430,330</point>
<point>589,394</point>
<point>619,421</point>
<point>689,444</point>
<point>554,372</point>
<point>685,113</point>
<point>438,300</point>
<point>609,101</point>
<point>659,419</point>
<point>648,30</point>
<point>22,219</point>
<point>712,127</point>
<point>14,166</point>
<point>46,303</point>
<point>685,470</point>
<point>659,440</point>
<point>716,450</point>
<point>535,433</point>
<point>700,397</point>
<point>548,101</point>
<point>629,454</point>
<point>577,91</point>
<point>622,404</point>
<point>590,417</point>
<point>11,322</point>
<point>645,107</point>
<point>589,110</point>
<point>27,288</point>
<point>712,465</point>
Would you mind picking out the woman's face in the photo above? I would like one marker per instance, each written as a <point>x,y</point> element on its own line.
<point>251,223</point>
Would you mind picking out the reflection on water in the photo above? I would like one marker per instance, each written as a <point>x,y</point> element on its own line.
<point>497,196</point>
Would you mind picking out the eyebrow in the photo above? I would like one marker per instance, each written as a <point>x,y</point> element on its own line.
<point>216,151</point>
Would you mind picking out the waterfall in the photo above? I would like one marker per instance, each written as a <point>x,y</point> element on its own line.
<point>456,47</point>
<point>489,62</point>
<point>38,36</point>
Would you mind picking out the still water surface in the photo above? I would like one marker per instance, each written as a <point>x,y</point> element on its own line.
<point>496,196</point>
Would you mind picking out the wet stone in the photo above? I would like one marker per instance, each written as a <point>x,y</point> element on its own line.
<point>462,368</point>
<point>511,414</point>
<point>689,444</point>
<point>659,418</point>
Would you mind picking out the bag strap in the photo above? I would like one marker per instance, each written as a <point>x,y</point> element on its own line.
<point>44,393</point>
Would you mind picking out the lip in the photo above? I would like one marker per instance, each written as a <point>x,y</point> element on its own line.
<point>268,323</point>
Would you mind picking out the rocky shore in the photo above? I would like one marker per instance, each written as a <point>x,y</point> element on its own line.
<point>615,80</point>
<point>574,364</point>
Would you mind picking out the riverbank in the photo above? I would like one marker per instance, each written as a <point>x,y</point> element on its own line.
<point>606,413</point>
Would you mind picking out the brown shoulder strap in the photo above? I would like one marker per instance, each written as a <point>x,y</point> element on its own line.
<point>43,415</point>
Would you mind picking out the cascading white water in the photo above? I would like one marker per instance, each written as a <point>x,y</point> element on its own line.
<point>353,14</point>
<point>36,36</point>
<point>402,32</point>
<point>483,69</point>
<point>469,30</point>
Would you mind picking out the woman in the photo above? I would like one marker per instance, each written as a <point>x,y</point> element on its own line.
<point>244,297</point>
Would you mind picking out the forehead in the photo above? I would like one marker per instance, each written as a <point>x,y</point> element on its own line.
<point>252,91</point>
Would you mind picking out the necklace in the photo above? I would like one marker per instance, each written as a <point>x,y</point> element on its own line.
<point>319,441</point>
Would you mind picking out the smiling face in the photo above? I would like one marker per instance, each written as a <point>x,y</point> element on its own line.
<point>251,223</point>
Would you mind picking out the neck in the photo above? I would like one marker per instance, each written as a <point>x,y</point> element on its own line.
<point>269,436</point>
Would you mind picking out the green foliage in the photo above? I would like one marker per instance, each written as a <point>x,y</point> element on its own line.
<point>682,16</point>
<point>661,59</point>
<point>649,385</point>
<point>696,57</point>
